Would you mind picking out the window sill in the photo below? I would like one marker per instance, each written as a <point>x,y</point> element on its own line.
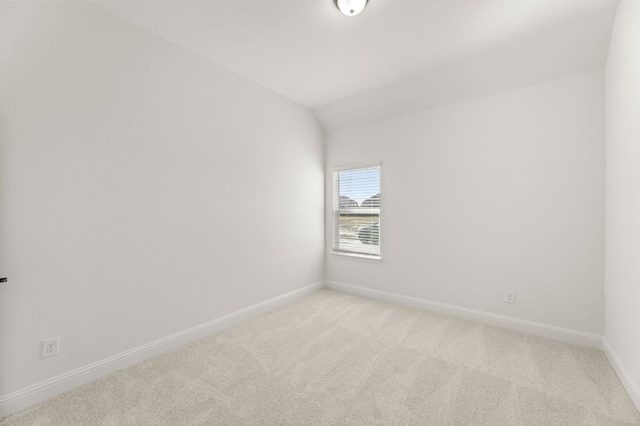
<point>358,257</point>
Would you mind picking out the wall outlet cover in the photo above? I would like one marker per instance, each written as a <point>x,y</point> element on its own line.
<point>50,347</point>
<point>509,297</point>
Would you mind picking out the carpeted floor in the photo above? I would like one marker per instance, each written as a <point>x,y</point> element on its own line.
<point>336,359</point>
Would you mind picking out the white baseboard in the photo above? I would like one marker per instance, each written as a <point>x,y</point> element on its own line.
<point>632,387</point>
<point>26,397</point>
<point>516,324</point>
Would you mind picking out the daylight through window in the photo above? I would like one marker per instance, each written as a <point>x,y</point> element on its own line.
<point>356,211</point>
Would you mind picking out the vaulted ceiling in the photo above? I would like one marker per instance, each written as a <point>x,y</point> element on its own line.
<point>396,57</point>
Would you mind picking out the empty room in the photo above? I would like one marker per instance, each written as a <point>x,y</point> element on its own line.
<point>320,212</point>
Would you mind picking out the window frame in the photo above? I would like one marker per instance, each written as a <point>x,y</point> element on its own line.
<point>335,213</point>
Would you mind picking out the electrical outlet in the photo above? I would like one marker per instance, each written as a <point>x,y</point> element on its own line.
<point>509,297</point>
<point>313,270</point>
<point>50,347</point>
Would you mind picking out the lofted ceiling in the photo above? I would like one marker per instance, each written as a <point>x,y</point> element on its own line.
<point>398,55</point>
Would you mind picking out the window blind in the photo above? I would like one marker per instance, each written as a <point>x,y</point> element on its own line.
<point>356,211</point>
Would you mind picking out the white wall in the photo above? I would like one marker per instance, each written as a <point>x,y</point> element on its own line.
<point>143,189</point>
<point>622,298</point>
<point>501,193</point>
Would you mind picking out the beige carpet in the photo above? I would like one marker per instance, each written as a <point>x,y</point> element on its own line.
<point>336,359</point>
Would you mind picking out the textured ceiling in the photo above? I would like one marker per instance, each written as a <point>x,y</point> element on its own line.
<point>307,51</point>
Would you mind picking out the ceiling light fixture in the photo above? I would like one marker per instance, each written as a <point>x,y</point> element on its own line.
<point>351,7</point>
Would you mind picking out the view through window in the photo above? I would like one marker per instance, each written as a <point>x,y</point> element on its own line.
<point>356,211</point>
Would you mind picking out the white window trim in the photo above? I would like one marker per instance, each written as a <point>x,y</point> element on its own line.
<point>353,166</point>
<point>373,258</point>
<point>370,258</point>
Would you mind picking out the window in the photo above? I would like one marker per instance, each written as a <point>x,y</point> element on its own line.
<point>356,211</point>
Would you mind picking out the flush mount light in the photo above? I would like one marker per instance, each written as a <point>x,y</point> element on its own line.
<point>351,7</point>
